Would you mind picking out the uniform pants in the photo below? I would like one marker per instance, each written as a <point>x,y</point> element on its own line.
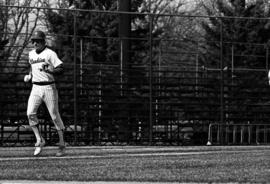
<point>49,95</point>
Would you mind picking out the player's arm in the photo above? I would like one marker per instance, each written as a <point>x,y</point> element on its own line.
<point>30,71</point>
<point>58,70</point>
<point>56,65</point>
<point>55,71</point>
<point>28,78</point>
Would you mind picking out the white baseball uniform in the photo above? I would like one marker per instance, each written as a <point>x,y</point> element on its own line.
<point>43,89</point>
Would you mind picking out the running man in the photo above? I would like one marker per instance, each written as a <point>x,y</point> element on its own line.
<point>44,65</point>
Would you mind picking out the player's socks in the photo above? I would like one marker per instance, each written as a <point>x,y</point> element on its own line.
<point>61,151</point>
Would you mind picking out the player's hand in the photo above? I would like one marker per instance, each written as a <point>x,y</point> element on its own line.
<point>46,68</point>
<point>27,78</point>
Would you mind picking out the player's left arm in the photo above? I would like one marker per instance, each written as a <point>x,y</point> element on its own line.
<point>59,69</point>
<point>55,70</point>
<point>56,67</point>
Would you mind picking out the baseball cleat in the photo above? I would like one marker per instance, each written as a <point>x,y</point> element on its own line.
<point>39,147</point>
<point>61,151</point>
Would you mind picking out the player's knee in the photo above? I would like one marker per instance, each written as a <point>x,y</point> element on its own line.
<point>54,118</point>
<point>32,118</point>
<point>58,122</point>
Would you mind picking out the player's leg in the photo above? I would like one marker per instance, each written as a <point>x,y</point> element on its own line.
<point>34,102</point>
<point>56,118</point>
<point>51,101</point>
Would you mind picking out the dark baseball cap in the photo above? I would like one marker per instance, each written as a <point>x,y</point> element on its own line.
<point>38,35</point>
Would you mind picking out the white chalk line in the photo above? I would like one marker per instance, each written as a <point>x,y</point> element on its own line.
<point>118,155</point>
<point>80,182</point>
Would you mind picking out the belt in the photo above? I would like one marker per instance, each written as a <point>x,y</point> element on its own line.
<point>43,83</point>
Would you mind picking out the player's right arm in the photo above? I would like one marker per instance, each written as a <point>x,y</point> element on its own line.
<point>30,72</point>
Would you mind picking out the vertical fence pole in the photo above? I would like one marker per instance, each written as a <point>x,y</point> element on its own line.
<point>121,68</point>
<point>150,81</point>
<point>75,75</point>
<point>209,142</point>
<point>267,70</point>
<point>221,81</point>
<point>232,67</point>
<point>234,134</point>
<point>81,66</point>
<point>242,134</point>
<point>265,134</point>
<point>2,133</point>
<point>124,35</point>
<point>197,69</point>
<point>99,103</point>
<point>267,58</point>
<point>249,133</point>
<point>257,134</point>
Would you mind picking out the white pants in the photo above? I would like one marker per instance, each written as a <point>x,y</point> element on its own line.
<point>49,95</point>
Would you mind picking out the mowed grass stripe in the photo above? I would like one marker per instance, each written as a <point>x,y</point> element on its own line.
<point>225,165</point>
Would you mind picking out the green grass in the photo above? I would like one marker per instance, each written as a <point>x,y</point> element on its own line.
<point>224,164</point>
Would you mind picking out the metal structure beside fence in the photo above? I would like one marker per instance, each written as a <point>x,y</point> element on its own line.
<point>238,134</point>
<point>159,101</point>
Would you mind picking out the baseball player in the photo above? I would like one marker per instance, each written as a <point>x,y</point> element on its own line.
<point>44,65</point>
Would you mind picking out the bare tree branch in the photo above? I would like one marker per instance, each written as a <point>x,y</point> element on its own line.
<point>21,23</point>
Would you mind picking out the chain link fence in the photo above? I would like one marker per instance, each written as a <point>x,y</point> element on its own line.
<point>139,88</point>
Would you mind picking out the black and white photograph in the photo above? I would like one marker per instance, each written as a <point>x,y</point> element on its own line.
<point>134,91</point>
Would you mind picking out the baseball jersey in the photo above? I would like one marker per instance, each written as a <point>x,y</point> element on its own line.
<point>47,56</point>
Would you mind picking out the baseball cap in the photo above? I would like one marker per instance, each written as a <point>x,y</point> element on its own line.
<point>38,35</point>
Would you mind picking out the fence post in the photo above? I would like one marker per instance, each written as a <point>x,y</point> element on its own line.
<point>150,81</point>
<point>209,142</point>
<point>2,133</point>
<point>267,58</point>
<point>75,75</point>
<point>234,133</point>
<point>257,134</point>
<point>124,38</point>
<point>220,135</point>
<point>242,134</point>
<point>249,133</point>
<point>265,134</point>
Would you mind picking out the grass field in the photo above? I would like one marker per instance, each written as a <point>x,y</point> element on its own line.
<point>241,164</point>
